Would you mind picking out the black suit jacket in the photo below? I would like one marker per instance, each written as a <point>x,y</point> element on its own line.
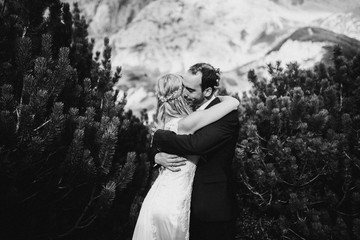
<point>213,196</point>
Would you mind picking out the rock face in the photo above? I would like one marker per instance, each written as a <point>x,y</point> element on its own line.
<point>307,46</point>
<point>152,37</point>
<point>106,17</point>
<point>347,23</point>
<point>172,35</point>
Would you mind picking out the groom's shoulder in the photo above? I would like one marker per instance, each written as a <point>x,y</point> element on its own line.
<point>230,118</point>
<point>232,114</point>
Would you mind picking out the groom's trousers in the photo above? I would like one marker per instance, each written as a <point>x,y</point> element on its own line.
<point>201,230</point>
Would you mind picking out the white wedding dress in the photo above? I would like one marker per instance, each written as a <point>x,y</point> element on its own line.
<point>165,212</point>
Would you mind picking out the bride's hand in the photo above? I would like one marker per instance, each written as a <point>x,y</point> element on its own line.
<point>170,161</point>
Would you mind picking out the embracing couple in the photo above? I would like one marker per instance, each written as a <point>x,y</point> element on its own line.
<point>193,197</point>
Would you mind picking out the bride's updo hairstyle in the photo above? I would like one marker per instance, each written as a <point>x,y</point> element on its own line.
<point>171,103</point>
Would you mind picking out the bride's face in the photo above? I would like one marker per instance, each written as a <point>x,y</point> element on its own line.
<point>192,91</point>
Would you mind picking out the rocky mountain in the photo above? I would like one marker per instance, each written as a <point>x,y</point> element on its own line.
<point>320,5</point>
<point>308,46</point>
<point>106,17</point>
<point>152,37</point>
<point>171,35</point>
<point>347,23</point>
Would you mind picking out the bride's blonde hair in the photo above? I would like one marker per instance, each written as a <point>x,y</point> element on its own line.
<point>171,103</point>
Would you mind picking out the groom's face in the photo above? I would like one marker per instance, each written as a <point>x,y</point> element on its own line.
<point>192,92</point>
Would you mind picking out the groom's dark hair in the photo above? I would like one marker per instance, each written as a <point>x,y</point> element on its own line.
<point>210,75</point>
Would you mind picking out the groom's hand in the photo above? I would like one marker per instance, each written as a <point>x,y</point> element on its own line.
<point>170,161</point>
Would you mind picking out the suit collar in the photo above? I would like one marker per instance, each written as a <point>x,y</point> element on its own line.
<point>206,104</point>
<point>213,102</point>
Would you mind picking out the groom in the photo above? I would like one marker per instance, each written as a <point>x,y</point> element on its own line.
<point>213,202</point>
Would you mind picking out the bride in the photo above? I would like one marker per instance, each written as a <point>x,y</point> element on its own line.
<point>165,212</point>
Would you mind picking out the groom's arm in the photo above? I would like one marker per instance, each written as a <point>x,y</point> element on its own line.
<point>203,141</point>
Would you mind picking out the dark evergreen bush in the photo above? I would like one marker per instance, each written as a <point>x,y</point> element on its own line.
<point>298,159</point>
<point>72,161</point>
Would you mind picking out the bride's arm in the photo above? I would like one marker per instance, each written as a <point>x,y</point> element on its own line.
<point>200,119</point>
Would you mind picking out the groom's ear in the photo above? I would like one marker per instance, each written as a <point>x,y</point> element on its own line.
<point>208,92</point>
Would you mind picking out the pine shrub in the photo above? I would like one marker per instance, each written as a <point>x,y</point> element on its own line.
<point>71,158</point>
<point>298,156</point>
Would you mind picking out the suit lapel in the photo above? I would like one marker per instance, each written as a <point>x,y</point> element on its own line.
<point>213,102</point>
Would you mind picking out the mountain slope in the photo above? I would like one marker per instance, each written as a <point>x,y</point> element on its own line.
<point>315,34</point>
<point>153,37</point>
<point>347,23</point>
<point>171,35</point>
<point>320,5</point>
<point>106,17</point>
<point>307,46</point>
